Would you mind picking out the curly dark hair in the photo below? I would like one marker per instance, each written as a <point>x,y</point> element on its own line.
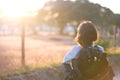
<point>86,33</point>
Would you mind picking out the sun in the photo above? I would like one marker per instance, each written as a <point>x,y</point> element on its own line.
<point>19,8</point>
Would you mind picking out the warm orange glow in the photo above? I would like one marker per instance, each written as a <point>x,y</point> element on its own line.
<point>18,8</point>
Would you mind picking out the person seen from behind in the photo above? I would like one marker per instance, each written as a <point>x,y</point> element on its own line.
<point>86,60</point>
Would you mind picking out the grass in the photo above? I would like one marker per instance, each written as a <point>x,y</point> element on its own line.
<point>40,52</point>
<point>113,50</point>
<point>27,69</point>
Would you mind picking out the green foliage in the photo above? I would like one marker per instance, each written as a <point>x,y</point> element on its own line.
<point>104,43</point>
<point>61,12</point>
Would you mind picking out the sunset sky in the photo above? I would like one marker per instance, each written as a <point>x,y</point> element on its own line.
<point>21,7</point>
<point>114,5</point>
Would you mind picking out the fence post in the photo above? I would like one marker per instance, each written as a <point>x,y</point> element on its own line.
<point>115,38</point>
<point>23,44</point>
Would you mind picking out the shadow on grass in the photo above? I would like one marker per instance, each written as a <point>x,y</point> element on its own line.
<point>54,72</point>
<point>114,61</point>
<point>46,73</point>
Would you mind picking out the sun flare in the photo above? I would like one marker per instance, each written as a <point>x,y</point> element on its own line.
<point>18,8</point>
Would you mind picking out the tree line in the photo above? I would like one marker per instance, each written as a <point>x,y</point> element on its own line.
<point>61,12</point>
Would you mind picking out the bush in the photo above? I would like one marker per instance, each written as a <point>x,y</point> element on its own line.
<point>104,43</point>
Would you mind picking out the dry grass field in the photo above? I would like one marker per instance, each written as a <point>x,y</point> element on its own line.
<point>40,51</point>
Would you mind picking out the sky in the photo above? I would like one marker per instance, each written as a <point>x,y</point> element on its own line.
<point>113,5</point>
<point>20,7</point>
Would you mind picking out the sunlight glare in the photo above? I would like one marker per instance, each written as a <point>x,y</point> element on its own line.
<point>18,8</point>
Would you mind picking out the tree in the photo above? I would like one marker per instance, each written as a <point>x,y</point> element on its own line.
<point>68,11</point>
<point>117,20</point>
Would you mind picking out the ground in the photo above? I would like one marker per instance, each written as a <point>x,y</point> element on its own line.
<point>42,51</point>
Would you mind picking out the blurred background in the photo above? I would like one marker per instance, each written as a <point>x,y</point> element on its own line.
<point>38,33</point>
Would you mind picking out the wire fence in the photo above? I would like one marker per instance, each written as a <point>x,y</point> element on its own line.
<point>38,52</point>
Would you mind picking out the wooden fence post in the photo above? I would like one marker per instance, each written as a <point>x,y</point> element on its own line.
<point>23,44</point>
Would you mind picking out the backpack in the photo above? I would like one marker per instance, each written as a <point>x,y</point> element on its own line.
<point>91,62</point>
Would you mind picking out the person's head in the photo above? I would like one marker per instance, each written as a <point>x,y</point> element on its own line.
<point>86,33</point>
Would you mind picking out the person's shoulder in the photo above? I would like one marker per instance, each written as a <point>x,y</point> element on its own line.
<point>72,53</point>
<point>74,50</point>
<point>76,47</point>
<point>101,48</point>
